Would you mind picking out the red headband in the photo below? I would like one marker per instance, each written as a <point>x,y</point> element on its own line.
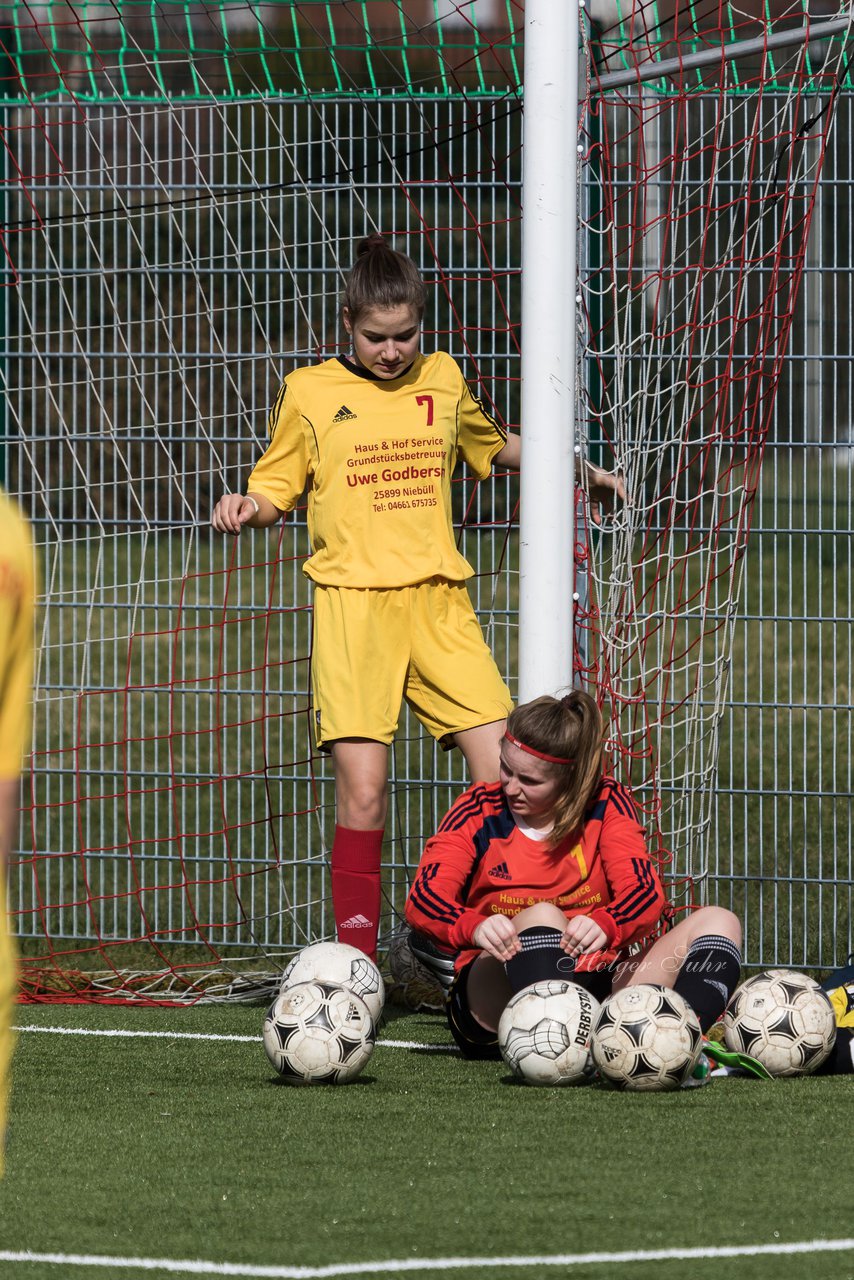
<point>541,755</point>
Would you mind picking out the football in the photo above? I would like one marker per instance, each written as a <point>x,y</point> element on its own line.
<point>544,1033</point>
<point>646,1038</point>
<point>318,1033</point>
<point>341,965</point>
<point>415,987</point>
<point>782,1018</point>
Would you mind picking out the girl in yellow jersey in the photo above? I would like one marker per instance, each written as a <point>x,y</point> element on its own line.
<point>376,436</point>
<point>17,603</point>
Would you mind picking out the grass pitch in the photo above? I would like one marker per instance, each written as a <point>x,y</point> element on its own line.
<point>138,1147</point>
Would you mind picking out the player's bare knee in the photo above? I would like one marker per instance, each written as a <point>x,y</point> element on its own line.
<point>362,807</point>
<point>718,921</point>
<point>543,914</point>
<point>487,991</point>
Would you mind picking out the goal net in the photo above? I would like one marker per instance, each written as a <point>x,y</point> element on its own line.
<point>183,187</point>
<point>704,136</point>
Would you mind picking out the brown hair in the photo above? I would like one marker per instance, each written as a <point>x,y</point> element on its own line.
<point>382,277</point>
<point>571,728</point>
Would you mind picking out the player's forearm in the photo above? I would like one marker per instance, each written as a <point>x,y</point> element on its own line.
<point>434,905</point>
<point>511,455</point>
<point>268,513</point>
<point>586,473</point>
<point>235,511</point>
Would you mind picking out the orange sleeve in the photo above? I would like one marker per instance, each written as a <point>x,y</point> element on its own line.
<point>436,901</point>
<point>637,898</point>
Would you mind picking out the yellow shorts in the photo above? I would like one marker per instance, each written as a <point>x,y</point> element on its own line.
<point>374,647</point>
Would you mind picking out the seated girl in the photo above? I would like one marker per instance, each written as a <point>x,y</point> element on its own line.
<point>546,874</point>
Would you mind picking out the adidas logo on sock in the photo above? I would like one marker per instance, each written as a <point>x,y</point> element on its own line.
<point>500,872</point>
<point>357,922</point>
<point>344,414</point>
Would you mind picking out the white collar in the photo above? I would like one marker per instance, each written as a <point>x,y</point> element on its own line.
<point>533,833</point>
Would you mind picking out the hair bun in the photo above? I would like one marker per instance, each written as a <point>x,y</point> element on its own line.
<point>374,241</point>
<point>381,277</point>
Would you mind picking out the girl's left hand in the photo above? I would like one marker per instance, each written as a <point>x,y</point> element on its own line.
<point>602,488</point>
<point>582,935</point>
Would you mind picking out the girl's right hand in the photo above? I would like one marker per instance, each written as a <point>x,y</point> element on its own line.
<point>232,512</point>
<point>497,937</point>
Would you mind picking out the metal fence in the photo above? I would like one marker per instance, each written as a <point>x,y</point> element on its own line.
<point>189,257</point>
<point>783,851</point>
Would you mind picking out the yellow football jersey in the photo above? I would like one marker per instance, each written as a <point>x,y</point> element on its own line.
<point>17,602</point>
<point>378,457</point>
<point>842,1000</point>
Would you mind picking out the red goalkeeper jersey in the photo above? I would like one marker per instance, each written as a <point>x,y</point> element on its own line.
<point>479,863</point>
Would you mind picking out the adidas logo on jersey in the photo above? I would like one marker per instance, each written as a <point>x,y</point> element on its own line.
<point>357,922</point>
<point>344,415</point>
<point>500,872</point>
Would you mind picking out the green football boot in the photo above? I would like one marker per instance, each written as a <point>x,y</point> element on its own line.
<point>702,1073</point>
<point>730,1063</point>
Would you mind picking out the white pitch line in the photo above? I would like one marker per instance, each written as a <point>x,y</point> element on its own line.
<point>199,1267</point>
<point>151,1035</point>
<point>198,1035</point>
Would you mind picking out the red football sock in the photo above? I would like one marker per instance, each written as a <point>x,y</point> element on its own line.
<point>356,887</point>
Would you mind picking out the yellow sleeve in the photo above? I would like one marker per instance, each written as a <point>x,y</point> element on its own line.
<point>282,471</point>
<point>17,610</point>
<point>479,436</point>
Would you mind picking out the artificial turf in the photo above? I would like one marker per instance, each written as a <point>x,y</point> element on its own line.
<point>185,1149</point>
